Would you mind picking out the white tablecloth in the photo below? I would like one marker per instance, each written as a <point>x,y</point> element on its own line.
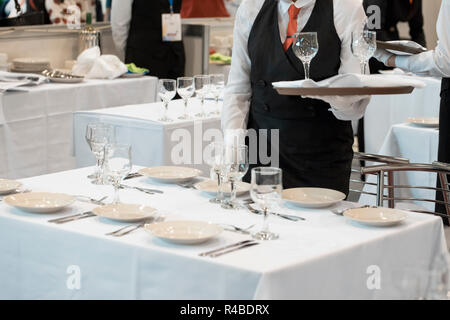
<point>36,127</point>
<point>153,141</point>
<point>385,111</point>
<point>324,257</point>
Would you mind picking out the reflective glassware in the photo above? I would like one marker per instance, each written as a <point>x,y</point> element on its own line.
<point>217,86</point>
<point>202,87</point>
<point>305,47</point>
<point>236,165</point>
<point>98,135</point>
<point>118,165</point>
<point>364,45</point>
<point>167,89</point>
<point>215,159</point>
<point>185,89</point>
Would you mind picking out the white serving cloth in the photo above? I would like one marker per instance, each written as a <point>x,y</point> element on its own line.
<point>419,145</point>
<point>19,81</point>
<point>324,257</point>
<point>36,127</point>
<point>152,141</point>
<point>385,111</point>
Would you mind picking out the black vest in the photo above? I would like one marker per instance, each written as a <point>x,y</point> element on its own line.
<point>315,149</point>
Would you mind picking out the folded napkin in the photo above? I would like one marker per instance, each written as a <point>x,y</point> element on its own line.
<point>354,80</point>
<point>406,43</point>
<point>92,65</point>
<point>17,81</point>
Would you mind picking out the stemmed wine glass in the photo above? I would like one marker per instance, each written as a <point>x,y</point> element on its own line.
<point>167,91</point>
<point>202,86</point>
<point>236,165</point>
<point>217,86</point>
<point>185,88</point>
<point>364,45</point>
<point>118,165</point>
<point>98,135</point>
<point>266,191</point>
<point>305,47</point>
<point>215,159</point>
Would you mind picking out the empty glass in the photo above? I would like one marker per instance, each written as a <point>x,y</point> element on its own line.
<point>305,47</point>
<point>185,88</point>
<point>215,159</point>
<point>167,90</point>
<point>202,87</point>
<point>267,185</point>
<point>235,167</point>
<point>118,165</point>
<point>364,45</point>
<point>98,135</point>
<point>217,86</point>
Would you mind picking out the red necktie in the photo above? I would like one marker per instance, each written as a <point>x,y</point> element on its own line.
<point>292,26</point>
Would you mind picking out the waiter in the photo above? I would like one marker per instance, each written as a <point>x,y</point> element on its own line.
<point>432,63</point>
<point>203,9</point>
<point>138,35</point>
<point>315,136</point>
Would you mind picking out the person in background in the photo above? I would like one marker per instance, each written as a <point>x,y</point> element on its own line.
<point>137,34</point>
<point>432,63</point>
<point>203,9</point>
<point>99,11</point>
<point>7,8</point>
<point>59,10</point>
<point>108,10</point>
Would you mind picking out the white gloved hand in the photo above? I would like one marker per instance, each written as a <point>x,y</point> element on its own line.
<point>382,55</point>
<point>339,102</point>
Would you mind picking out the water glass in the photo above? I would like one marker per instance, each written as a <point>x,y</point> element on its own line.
<point>364,45</point>
<point>215,159</point>
<point>118,165</point>
<point>167,90</point>
<point>202,86</point>
<point>98,135</point>
<point>236,165</point>
<point>266,189</point>
<point>185,89</point>
<point>305,47</point>
<point>217,86</point>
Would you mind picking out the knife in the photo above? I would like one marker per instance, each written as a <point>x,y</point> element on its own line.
<point>218,254</point>
<point>204,254</point>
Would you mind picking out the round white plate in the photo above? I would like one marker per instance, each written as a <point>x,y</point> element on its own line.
<point>378,217</point>
<point>313,197</point>
<point>40,202</point>
<point>170,174</point>
<point>67,80</point>
<point>125,212</point>
<point>8,186</point>
<point>425,122</point>
<point>211,187</point>
<point>184,232</point>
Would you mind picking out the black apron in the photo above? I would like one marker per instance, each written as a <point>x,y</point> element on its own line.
<point>315,148</point>
<point>145,46</point>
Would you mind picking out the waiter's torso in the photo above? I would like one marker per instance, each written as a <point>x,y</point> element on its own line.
<point>203,9</point>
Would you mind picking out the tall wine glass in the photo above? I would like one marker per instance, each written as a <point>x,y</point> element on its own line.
<point>217,86</point>
<point>98,135</point>
<point>118,166</point>
<point>235,167</point>
<point>185,88</point>
<point>215,159</point>
<point>167,90</point>
<point>364,45</point>
<point>305,47</point>
<point>267,185</point>
<point>202,86</point>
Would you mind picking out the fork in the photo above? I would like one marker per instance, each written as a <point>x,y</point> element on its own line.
<point>91,200</point>
<point>141,225</point>
<point>188,185</point>
<point>237,229</point>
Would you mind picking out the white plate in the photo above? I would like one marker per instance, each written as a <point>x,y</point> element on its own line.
<point>8,186</point>
<point>211,187</point>
<point>425,122</point>
<point>378,217</point>
<point>170,174</point>
<point>67,80</point>
<point>184,232</point>
<point>125,212</point>
<point>40,202</point>
<point>313,197</point>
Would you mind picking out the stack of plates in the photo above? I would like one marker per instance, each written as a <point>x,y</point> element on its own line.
<point>33,65</point>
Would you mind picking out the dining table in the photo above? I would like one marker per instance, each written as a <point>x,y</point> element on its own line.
<point>324,256</point>
<point>36,122</point>
<point>155,142</point>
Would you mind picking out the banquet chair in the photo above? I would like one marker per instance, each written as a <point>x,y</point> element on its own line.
<point>442,170</point>
<point>359,179</point>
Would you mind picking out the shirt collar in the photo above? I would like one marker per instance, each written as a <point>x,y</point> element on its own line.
<point>285,4</point>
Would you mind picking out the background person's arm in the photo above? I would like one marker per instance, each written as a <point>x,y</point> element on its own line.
<point>120,24</point>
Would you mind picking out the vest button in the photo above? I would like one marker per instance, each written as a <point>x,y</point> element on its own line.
<point>261,83</point>
<point>266,107</point>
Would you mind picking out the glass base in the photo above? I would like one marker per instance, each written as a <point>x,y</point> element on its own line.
<point>201,115</point>
<point>165,119</point>
<point>215,200</point>
<point>231,205</point>
<point>92,176</point>
<point>98,182</point>
<point>265,235</point>
<point>185,117</point>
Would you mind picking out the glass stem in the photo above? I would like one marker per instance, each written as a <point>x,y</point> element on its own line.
<point>166,107</point>
<point>306,66</point>
<point>185,107</point>
<point>219,196</point>
<point>203,105</point>
<point>363,67</point>
<point>265,224</point>
<point>233,192</point>
<point>116,193</point>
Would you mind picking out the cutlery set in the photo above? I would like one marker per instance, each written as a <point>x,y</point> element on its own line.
<point>229,248</point>
<point>132,227</point>
<point>247,203</point>
<point>75,217</point>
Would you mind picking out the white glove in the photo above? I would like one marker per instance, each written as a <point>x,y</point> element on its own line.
<point>339,102</point>
<point>382,55</point>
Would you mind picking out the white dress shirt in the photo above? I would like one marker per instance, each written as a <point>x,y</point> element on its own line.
<point>436,62</point>
<point>349,15</point>
<point>120,23</point>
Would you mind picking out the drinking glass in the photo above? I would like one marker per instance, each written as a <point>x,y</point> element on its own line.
<point>235,167</point>
<point>118,165</point>
<point>202,86</point>
<point>217,86</point>
<point>98,135</point>
<point>215,159</point>
<point>305,48</point>
<point>185,88</point>
<point>364,45</point>
<point>266,188</point>
<point>167,90</point>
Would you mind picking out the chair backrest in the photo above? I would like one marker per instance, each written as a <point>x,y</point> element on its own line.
<point>442,170</point>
